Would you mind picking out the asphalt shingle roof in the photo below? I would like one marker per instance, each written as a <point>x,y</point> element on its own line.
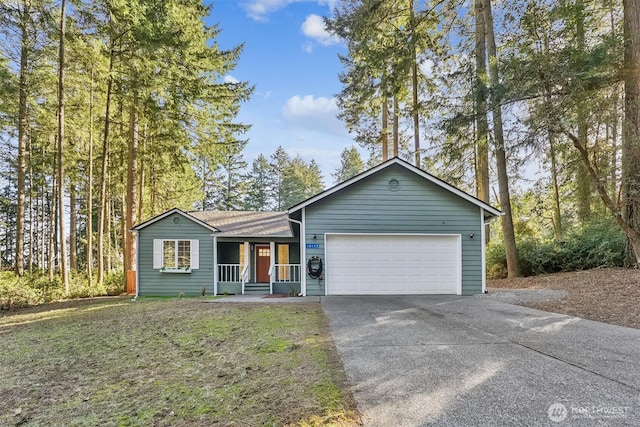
<point>246,223</point>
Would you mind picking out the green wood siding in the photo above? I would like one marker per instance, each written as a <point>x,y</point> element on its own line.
<point>418,206</point>
<point>153,282</point>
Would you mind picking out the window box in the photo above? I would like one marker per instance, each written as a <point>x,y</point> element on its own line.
<point>175,270</point>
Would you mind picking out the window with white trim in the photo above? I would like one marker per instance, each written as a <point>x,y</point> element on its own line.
<point>176,254</point>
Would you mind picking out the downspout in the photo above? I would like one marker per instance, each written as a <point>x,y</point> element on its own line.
<point>303,255</point>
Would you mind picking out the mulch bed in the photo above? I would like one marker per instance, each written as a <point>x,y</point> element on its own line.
<point>610,295</point>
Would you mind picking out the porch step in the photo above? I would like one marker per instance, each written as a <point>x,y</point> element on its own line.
<point>256,289</point>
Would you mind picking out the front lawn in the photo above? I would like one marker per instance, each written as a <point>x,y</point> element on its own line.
<point>177,362</point>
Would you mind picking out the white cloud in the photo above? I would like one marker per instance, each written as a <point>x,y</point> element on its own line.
<point>230,79</point>
<point>259,10</point>
<point>312,113</point>
<point>426,67</point>
<point>308,47</point>
<point>313,27</point>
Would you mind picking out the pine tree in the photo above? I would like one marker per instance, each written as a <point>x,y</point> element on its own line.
<point>279,163</point>
<point>260,183</point>
<point>351,164</point>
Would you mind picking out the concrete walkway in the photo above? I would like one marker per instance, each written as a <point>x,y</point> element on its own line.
<point>263,299</point>
<point>475,361</point>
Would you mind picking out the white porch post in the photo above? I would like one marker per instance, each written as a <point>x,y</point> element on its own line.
<point>247,256</point>
<point>215,265</point>
<point>272,263</point>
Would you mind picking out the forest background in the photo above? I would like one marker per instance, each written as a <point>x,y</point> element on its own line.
<point>113,111</point>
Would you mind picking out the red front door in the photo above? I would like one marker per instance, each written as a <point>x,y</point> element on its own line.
<point>263,262</point>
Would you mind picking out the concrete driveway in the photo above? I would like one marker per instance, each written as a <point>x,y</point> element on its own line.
<point>473,361</point>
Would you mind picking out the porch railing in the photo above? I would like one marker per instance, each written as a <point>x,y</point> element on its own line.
<point>285,273</point>
<point>245,276</point>
<point>229,273</point>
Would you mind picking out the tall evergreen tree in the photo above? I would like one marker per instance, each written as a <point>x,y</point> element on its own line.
<point>351,164</point>
<point>279,163</point>
<point>232,186</point>
<point>260,183</point>
<point>300,181</point>
<point>508,233</point>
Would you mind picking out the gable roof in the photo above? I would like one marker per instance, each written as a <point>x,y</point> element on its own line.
<point>397,161</point>
<point>246,223</point>
<point>170,212</point>
<point>233,223</point>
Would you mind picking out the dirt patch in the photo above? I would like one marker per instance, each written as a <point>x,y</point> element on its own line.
<point>610,295</point>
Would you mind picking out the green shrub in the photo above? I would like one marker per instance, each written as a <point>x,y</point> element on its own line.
<point>36,288</point>
<point>599,243</point>
<point>496,259</point>
<point>114,283</point>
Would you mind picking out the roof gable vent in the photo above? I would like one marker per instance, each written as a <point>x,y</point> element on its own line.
<point>394,185</point>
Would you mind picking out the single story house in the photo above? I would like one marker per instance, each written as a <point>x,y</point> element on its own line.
<point>394,229</point>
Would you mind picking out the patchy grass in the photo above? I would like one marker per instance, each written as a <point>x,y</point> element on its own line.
<point>115,362</point>
<point>609,295</point>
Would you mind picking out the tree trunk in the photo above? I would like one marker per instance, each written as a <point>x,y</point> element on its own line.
<point>61,217</point>
<point>89,226</point>
<point>105,162</point>
<point>511,251</point>
<point>396,127</point>
<point>482,145</point>
<point>52,228</point>
<point>385,129</point>
<point>142,175</point>
<point>73,227</point>
<point>33,216</point>
<point>583,181</point>
<point>110,243</point>
<point>414,83</point>
<point>631,129</point>
<point>25,39</point>
<point>132,186</point>
<point>557,216</point>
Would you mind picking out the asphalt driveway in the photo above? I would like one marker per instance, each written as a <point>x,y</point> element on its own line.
<point>473,361</point>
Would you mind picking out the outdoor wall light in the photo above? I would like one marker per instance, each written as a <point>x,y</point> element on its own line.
<point>471,235</point>
<point>315,237</point>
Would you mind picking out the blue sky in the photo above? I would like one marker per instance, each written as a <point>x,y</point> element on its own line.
<point>294,66</point>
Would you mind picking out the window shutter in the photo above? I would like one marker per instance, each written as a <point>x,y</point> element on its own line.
<point>157,253</point>
<point>195,254</point>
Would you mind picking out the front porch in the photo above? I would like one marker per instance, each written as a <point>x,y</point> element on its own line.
<point>258,268</point>
<point>234,279</point>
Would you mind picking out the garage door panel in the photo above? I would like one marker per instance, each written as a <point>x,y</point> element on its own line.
<point>392,264</point>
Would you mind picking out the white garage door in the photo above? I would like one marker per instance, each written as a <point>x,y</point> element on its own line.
<point>392,264</point>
